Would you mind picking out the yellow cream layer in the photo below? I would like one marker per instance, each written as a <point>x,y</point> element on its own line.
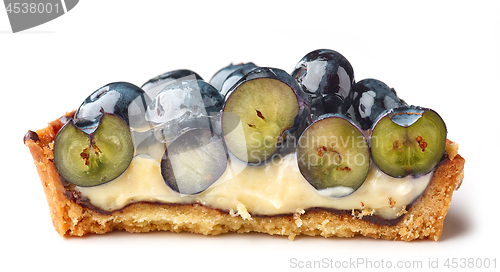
<point>275,188</point>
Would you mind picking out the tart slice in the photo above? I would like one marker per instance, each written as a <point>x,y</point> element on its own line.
<point>311,153</point>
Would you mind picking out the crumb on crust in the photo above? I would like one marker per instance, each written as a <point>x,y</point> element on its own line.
<point>451,149</point>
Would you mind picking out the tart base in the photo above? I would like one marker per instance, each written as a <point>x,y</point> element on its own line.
<point>423,220</point>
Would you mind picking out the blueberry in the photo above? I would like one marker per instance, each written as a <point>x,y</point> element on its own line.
<point>93,157</point>
<point>121,98</point>
<point>326,77</point>
<point>183,105</point>
<point>236,75</point>
<point>263,115</point>
<point>333,155</point>
<point>212,98</point>
<point>195,97</point>
<point>218,78</point>
<point>370,98</point>
<point>156,84</point>
<point>408,140</point>
<point>194,161</point>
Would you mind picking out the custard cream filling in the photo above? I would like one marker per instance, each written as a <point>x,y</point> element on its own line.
<point>275,188</point>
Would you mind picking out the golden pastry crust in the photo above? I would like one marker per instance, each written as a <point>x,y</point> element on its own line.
<point>423,220</point>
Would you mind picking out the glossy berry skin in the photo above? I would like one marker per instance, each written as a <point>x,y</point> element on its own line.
<point>370,98</point>
<point>181,105</point>
<point>121,98</point>
<point>156,84</point>
<point>236,75</point>
<point>218,78</point>
<point>212,99</point>
<point>326,77</point>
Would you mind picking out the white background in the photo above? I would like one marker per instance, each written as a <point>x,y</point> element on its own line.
<point>444,55</point>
